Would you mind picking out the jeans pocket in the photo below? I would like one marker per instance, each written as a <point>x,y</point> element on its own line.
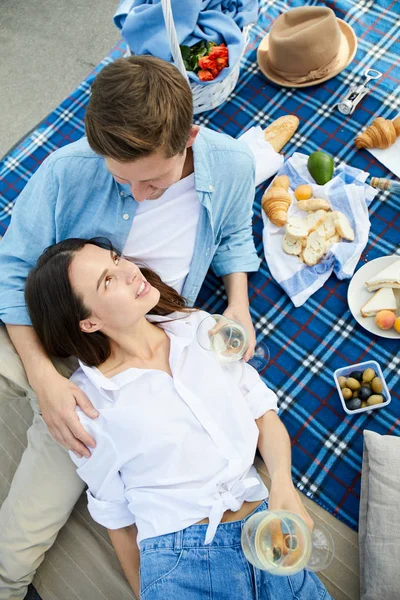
<point>156,566</point>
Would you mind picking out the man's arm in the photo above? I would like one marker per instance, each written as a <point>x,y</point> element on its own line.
<point>57,395</point>
<point>236,254</point>
<point>126,548</point>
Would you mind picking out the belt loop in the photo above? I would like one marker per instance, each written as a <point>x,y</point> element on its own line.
<point>178,540</point>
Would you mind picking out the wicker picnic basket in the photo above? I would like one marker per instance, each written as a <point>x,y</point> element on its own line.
<point>205,97</point>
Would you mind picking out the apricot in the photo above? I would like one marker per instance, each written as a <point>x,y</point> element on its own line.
<point>385,319</point>
<point>397,324</point>
<point>303,192</point>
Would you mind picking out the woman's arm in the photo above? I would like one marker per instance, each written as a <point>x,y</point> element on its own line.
<point>126,548</point>
<point>274,446</point>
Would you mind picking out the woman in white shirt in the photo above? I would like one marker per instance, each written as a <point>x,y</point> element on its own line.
<point>171,476</point>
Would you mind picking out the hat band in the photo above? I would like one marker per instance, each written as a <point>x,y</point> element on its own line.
<point>311,75</point>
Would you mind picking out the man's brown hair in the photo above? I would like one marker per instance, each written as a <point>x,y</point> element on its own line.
<point>139,105</point>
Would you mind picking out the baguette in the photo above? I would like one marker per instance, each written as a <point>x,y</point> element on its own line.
<point>296,227</point>
<point>314,250</point>
<point>313,204</point>
<point>280,131</point>
<point>343,226</point>
<point>291,245</point>
<point>313,220</point>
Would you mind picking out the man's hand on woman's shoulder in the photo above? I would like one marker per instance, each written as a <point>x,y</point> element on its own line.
<point>58,398</point>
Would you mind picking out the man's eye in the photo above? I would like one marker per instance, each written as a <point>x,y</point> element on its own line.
<point>107,281</point>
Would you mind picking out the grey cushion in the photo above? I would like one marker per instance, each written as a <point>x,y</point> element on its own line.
<point>379,528</point>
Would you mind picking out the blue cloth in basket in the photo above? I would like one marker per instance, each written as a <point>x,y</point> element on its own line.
<point>143,27</point>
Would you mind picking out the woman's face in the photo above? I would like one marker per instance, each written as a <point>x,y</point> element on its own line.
<point>113,288</point>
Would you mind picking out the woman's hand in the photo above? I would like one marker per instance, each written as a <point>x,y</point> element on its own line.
<point>58,398</point>
<point>241,314</point>
<point>284,496</point>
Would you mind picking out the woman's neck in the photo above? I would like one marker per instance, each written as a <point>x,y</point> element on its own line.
<point>139,346</point>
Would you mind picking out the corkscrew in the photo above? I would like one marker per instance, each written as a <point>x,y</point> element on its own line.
<point>356,93</point>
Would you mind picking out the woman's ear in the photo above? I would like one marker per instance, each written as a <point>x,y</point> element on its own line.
<point>90,325</point>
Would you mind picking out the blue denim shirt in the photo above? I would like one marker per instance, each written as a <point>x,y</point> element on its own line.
<point>72,194</point>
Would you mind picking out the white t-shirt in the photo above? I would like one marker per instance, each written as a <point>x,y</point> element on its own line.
<point>171,451</point>
<point>163,232</point>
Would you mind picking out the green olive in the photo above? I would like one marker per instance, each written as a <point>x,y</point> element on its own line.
<point>376,385</point>
<point>368,375</point>
<point>364,404</point>
<point>346,393</point>
<point>352,383</point>
<point>342,381</point>
<point>355,394</point>
<point>375,399</point>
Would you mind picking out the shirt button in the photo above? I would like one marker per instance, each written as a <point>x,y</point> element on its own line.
<point>125,216</point>
<point>122,194</point>
<point>210,187</point>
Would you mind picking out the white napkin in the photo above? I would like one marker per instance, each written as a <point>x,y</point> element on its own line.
<point>346,192</point>
<point>268,161</point>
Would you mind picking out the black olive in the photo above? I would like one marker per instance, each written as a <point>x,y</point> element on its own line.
<point>353,403</point>
<point>356,375</point>
<point>364,392</point>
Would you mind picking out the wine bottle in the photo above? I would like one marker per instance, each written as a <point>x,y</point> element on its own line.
<point>386,184</point>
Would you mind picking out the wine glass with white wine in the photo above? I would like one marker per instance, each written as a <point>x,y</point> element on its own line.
<point>229,340</point>
<point>281,543</point>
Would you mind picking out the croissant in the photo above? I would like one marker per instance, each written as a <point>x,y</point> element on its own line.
<point>276,201</point>
<point>382,133</point>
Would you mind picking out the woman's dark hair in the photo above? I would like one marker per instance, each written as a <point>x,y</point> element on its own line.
<point>55,310</point>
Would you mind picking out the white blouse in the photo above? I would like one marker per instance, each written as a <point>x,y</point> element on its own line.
<point>171,451</point>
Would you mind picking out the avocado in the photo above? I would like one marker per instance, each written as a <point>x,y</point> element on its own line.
<point>320,166</point>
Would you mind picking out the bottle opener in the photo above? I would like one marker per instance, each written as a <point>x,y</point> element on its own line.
<point>356,93</point>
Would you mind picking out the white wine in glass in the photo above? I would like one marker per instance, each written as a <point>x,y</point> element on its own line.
<point>281,543</point>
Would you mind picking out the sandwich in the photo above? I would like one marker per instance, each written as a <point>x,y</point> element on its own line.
<point>383,299</point>
<point>388,278</point>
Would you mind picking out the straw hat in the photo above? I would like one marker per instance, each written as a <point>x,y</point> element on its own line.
<point>306,46</point>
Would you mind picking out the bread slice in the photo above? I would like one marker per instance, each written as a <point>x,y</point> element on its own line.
<point>343,226</point>
<point>327,228</point>
<point>388,278</point>
<point>313,204</point>
<point>315,249</point>
<point>335,239</point>
<point>280,131</point>
<point>314,219</point>
<point>291,245</point>
<point>383,299</point>
<point>296,227</point>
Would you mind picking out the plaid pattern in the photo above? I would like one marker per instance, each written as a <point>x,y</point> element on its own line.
<point>308,343</point>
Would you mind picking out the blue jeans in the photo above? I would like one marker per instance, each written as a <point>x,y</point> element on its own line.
<point>179,566</point>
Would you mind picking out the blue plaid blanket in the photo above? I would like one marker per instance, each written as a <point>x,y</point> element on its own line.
<point>308,343</point>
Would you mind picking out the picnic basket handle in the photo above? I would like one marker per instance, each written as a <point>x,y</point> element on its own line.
<point>173,38</point>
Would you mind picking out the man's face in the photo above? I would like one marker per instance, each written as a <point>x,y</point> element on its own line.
<point>151,176</point>
<point>148,177</point>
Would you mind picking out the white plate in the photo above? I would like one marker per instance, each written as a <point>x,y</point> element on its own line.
<point>358,295</point>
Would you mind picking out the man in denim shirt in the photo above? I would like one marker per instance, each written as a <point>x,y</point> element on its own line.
<point>136,156</point>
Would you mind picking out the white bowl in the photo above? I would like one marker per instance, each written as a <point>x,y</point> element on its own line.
<point>345,372</point>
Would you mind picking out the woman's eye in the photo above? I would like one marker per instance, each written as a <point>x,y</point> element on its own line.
<point>107,281</point>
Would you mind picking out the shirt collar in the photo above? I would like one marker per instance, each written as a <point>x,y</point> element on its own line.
<point>181,331</point>
<point>202,168</point>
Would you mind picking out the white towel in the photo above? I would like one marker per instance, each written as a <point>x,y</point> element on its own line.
<point>346,192</point>
<point>268,161</point>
